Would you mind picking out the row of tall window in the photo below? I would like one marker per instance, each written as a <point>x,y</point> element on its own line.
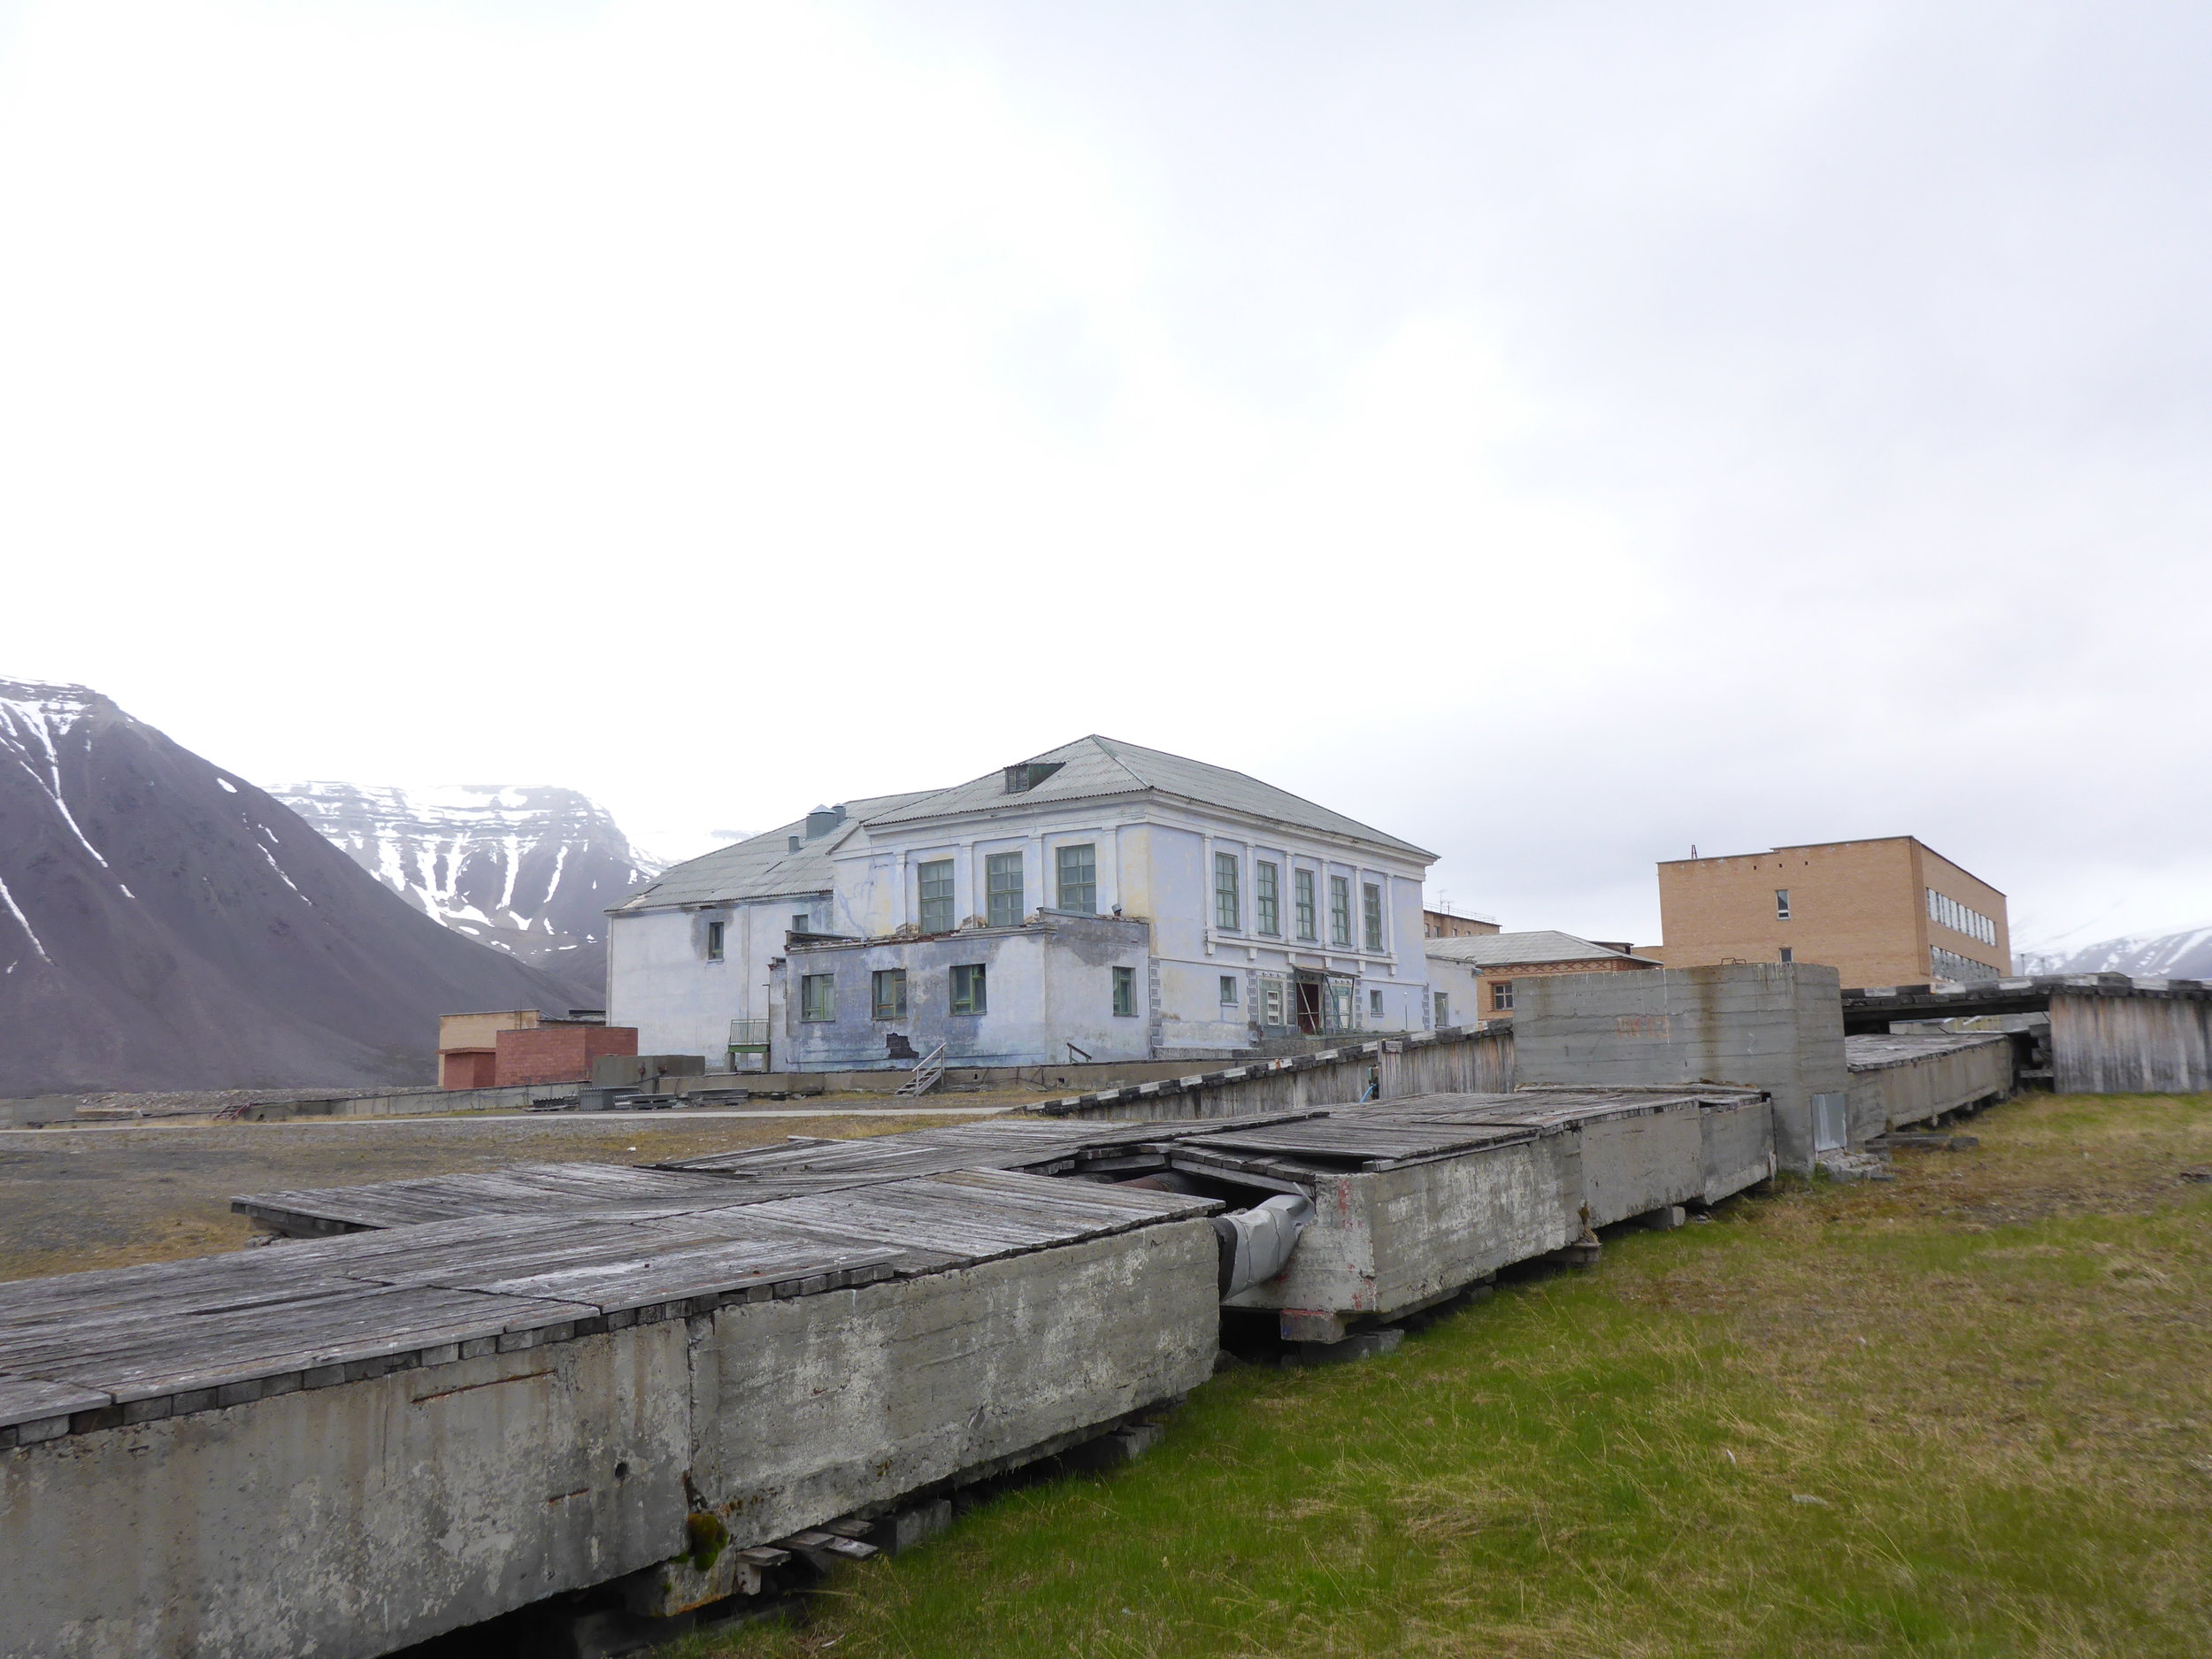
<point>1075,872</point>
<point>1949,913</point>
<point>1075,869</point>
<point>967,992</point>
<point>1947,964</point>
<point>1267,890</point>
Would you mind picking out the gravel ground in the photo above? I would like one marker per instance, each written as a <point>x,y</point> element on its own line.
<point>72,1199</point>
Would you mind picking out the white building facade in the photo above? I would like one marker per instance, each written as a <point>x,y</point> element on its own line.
<point>1100,899</point>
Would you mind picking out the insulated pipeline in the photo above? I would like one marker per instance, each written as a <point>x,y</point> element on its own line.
<point>1256,1243</point>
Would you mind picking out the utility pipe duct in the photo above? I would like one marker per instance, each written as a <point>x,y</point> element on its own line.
<point>1256,1243</point>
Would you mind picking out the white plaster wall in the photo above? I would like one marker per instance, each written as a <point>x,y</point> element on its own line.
<point>660,980</point>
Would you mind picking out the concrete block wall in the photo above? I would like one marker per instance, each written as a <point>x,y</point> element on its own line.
<point>1771,1025</point>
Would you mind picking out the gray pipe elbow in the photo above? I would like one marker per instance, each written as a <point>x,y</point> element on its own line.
<point>1256,1243</point>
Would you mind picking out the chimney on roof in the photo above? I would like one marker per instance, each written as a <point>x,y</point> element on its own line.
<point>1026,776</point>
<point>822,821</point>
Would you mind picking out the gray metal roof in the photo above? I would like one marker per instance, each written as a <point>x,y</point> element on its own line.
<point>1518,950</point>
<point>1093,766</point>
<point>762,866</point>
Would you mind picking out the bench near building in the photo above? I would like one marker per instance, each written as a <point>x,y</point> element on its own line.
<point>1099,901</point>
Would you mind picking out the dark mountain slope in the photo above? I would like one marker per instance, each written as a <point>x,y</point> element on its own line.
<point>164,924</point>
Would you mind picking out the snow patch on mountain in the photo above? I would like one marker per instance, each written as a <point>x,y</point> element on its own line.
<point>530,869</point>
<point>2186,954</point>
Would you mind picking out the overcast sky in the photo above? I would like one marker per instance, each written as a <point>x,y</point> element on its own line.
<point>1554,432</point>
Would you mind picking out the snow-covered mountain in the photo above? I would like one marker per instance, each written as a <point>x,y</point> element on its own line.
<point>2185,954</point>
<point>530,870</point>
<point>164,924</point>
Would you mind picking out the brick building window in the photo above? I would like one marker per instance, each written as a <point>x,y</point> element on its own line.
<point>1125,993</point>
<point>1339,911</point>
<point>889,986</point>
<point>1302,890</point>
<point>1782,904</point>
<point>1267,899</point>
<point>1788,955</point>
<point>817,996</point>
<point>1228,902</point>
<point>935,886</point>
<point>1079,879</point>
<point>1002,884</point>
<point>714,942</point>
<point>1502,996</point>
<point>1371,914</point>
<point>967,989</point>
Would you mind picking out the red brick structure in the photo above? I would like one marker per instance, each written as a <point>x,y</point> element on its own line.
<point>467,1068</point>
<point>557,1052</point>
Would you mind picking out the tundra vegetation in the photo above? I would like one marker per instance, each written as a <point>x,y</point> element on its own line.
<point>1965,1412</point>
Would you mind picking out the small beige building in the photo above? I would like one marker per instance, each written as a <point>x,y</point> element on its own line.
<point>1889,911</point>
<point>1472,976</point>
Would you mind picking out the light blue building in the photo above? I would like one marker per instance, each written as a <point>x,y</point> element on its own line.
<point>1130,903</point>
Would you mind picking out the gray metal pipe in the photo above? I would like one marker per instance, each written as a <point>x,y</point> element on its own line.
<point>1256,1243</point>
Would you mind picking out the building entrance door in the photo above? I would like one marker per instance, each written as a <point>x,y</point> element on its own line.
<point>1310,1005</point>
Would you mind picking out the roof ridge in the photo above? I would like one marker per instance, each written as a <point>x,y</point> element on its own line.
<point>1107,747</point>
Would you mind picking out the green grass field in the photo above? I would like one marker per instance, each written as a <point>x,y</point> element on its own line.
<point>1965,1412</point>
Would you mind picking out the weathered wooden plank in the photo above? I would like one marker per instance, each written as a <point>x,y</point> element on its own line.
<point>33,1399</point>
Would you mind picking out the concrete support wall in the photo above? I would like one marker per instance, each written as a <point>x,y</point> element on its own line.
<point>810,1408</point>
<point>348,1520</point>
<point>1397,1238</point>
<point>2131,1045</point>
<point>1914,1091</point>
<point>1450,1062</point>
<point>1777,1026</point>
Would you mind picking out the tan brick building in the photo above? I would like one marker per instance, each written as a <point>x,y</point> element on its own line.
<point>1451,924</point>
<point>1890,912</point>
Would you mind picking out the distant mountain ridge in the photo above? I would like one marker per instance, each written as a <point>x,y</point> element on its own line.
<point>164,924</point>
<point>531,870</point>
<point>2184,955</point>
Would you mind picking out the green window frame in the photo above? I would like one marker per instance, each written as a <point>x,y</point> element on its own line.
<point>1340,911</point>
<point>888,988</point>
<point>1125,993</point>
<point>1228,901</point>
<point>968,995</point>
<point>1443,1009</point>
<point>817,996</point>
<point>714,942</point>
<point>935,892</point>
<point>1302,892</point>
<point>1002,889</point>
<point>1370,913</point>
<point>1077,870</point>
<point>1267,899</point>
